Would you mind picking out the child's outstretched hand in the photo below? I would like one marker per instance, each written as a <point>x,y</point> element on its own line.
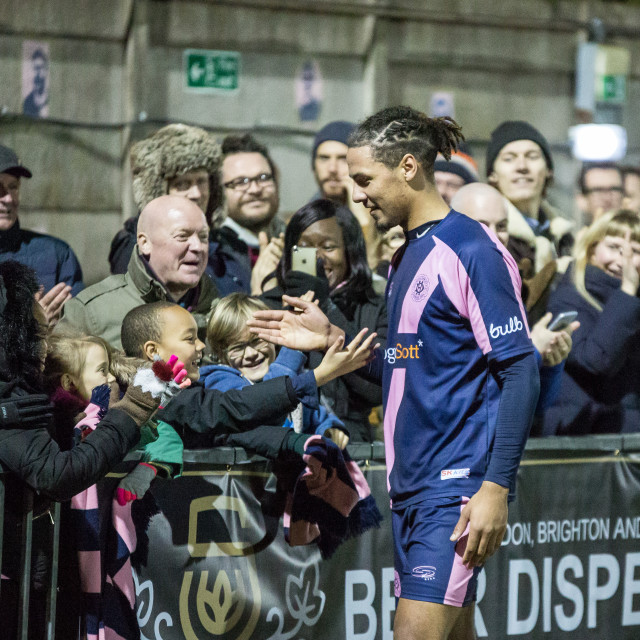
<point>135,484</point>
<point>338,361</point>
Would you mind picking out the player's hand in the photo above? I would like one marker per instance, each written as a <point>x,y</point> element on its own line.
<point>485,515</point>
<point>553,346</point>
<point>338,436</point>
<point>268,259</point>
<point>53,301</point>
<point>304,328</point>
<point>338,361</point>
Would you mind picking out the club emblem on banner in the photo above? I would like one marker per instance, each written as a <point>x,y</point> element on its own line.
<point>224,604</point>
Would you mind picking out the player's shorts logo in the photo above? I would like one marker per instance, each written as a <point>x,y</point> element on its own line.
<point>420,288</point>
<point>424,573</point>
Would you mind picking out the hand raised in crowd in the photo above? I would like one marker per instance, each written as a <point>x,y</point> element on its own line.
<point>630,275</point>
<point>304,328</point>
<point>486,516</point>
<point>270,254</point>
<point>553,346</point>
<point>53,301</point>
<point>338,361</point>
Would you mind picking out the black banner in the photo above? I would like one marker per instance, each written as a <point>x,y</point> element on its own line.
<point>219,567</point>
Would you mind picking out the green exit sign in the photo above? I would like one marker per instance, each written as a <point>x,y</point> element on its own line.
<point>612,88</point>
<point>209,71</point>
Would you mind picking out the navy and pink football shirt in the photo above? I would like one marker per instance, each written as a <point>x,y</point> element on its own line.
<point>454,305</point>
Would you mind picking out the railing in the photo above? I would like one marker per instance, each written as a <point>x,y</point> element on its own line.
<point>559,450</point>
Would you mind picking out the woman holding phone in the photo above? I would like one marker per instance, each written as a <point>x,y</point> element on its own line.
<point>600,391</point>
<point>340,278</point>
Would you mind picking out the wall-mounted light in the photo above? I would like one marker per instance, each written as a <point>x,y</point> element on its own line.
<point>598,142</point>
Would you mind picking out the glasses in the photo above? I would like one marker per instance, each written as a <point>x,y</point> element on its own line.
<point>236,352</point>
<point>601,190</point>
<point>242,183</point>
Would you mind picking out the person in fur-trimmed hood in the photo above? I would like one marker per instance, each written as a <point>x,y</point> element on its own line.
<point>520,166</point>
<point>181,160</point>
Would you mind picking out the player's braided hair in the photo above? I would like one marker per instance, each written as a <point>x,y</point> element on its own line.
<point>396,131</point>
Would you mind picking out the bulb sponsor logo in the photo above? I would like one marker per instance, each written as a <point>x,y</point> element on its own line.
<point>514,324</point>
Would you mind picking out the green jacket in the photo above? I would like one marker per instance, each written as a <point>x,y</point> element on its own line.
<point>100,309</point>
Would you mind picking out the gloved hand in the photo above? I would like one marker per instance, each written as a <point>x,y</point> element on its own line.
<point>136,483</point>
<point>176,375</point>
<point>144,395</point>
<point>297,283</point>
<point>26,412</point>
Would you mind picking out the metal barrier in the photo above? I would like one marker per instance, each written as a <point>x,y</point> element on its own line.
<point>557,451</point>
<point>26,549</point>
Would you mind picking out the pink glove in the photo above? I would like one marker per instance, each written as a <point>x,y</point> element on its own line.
<point>173,374</point>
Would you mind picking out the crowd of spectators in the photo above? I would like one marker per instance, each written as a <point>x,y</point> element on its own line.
<point>209,246</point>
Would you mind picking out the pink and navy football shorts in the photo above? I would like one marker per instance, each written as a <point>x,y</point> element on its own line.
<point>428,566</point>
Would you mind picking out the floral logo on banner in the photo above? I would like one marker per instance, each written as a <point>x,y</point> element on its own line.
<point>305,603</point>
<point>143,618</point>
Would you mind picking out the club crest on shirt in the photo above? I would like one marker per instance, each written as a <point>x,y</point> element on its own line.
<point>420,288</point>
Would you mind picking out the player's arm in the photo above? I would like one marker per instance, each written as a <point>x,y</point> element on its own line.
<point>486,512</point>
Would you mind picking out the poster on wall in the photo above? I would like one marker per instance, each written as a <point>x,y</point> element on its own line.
<point>35,78</point>
<point>309,91</point>
<point>442,104</point>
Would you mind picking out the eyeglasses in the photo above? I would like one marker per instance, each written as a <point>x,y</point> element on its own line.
<point>236,351</point>
<point>601,190</point>
<point>242,183</point>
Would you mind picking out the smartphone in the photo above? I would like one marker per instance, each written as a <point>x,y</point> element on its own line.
<point>562,320</point>
<point>304,259</point>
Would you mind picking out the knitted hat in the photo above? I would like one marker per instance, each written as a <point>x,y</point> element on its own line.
<point>510,132</point>
<point>10,163</point>
<point>338,130</point>
<point>461,164</point>
<point>172,151</point>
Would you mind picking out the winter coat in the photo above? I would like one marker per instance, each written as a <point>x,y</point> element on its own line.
<point>350,397</point>
<point>52,259</point>
<point>232,244</point>
<point>228,274</point>
<point>205,417</point>
<point>100,309</point>
<point>32,458</point>
<point>600,391</point>
<point>288,362</point>
<point>554,239</point>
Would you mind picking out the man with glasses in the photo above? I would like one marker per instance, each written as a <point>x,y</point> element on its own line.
<point>252,232</point>
<point>601,188</point>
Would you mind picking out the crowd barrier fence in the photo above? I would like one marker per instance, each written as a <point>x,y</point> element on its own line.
<point>218,565</point>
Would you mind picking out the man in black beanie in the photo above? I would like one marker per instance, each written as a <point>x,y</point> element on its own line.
<point>520,166</point>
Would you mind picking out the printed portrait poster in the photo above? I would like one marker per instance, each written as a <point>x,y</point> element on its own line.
<point>35,78</point>
<point>309,91</point>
